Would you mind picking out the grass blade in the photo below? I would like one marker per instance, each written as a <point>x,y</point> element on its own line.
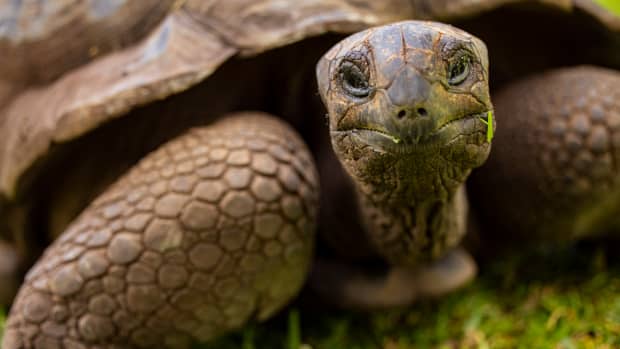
<point>248,338</point>
<point>294,331</point>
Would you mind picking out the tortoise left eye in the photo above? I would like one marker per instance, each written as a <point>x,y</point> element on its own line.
<point>458,70</point>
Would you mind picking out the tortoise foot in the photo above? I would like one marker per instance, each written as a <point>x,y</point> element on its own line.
<point>212,230</point>
<point>349,286</point>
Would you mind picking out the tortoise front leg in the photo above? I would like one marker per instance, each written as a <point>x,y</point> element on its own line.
<point>211,230</point>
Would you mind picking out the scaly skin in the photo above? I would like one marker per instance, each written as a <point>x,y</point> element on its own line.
<point>554,171</point>
<point>211,230</point>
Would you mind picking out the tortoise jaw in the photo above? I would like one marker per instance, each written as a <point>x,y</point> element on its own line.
<point>470,124</point>
<point>372,134</point>
<point>423,136</point>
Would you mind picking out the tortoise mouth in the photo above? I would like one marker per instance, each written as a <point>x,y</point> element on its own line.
<point>471,126</point>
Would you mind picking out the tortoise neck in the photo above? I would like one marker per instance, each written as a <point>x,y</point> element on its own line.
<point>413,205</point>
<point>411,234</point>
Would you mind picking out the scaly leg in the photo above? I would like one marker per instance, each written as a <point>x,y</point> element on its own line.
<point>211,230</point>
<point>553,172</point>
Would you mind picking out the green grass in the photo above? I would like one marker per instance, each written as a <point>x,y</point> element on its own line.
<point>294,330</point>
<point>563,298</point>
<point>2,318</point>
<point>612,5</point>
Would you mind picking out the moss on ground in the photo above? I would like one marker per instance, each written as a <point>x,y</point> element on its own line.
<point>1,325</point>
<point>562,298</point>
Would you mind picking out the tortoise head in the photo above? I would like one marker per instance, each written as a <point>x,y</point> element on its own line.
<point>407,106</point>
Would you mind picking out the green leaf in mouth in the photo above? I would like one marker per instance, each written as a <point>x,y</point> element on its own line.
<point>489,123</point>
<point>612,6</point>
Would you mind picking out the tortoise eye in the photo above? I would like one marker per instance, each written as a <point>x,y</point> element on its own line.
<point>354,80</point>
<point>354,75</point>
<point>459,68</point>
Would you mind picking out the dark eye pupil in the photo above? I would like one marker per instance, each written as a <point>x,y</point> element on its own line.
<point>354,80</point>
<point>458,69</point>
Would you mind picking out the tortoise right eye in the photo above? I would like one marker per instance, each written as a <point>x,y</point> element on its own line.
<point>354,81</point>
<point>354,75</point>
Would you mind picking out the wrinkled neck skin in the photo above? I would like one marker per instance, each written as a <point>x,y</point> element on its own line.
<point>413,203</point>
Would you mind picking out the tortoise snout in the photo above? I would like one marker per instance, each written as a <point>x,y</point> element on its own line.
<point>409,91</point>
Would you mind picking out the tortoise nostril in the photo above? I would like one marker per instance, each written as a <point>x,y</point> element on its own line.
<point>404,113</point>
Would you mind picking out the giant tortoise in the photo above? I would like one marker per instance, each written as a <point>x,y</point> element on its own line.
<point>160,160</point>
